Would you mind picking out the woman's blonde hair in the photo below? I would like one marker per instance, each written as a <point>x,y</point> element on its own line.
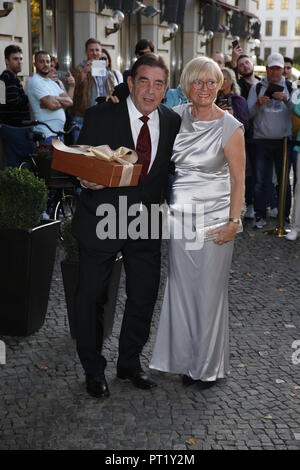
<point>199,68</point>
<point>230,75</point>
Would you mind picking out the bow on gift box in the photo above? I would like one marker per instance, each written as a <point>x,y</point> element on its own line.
<point>122,155</point>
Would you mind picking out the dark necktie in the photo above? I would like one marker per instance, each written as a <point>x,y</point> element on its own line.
<point>143,147</point>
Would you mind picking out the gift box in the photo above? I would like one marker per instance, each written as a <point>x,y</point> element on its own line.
<point>101,165</point>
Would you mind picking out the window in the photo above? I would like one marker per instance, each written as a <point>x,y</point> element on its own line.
<point>282,51</point>
<point>284,4</point>
<point>297,27</point>
<point>296,54</point>
<point>269,28</point>
<point>270,4</point>
<point>283,27</point>
<point>267,52</point>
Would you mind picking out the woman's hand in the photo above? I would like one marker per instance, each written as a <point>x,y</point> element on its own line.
<point>113,98</point>
<point>90,185</point>
<point>226,233</point>
<point>87,69</point>
<point>70,80</point>
<point>229,109</point>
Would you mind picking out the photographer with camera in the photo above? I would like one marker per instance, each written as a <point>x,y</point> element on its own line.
<point>270,105</point>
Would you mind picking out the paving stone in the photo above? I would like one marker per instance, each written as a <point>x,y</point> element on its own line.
<point>48,408</point>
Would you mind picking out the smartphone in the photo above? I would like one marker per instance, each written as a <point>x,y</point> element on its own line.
<point>272,88</point>
<point>222,102</point>
<point>62,75</point>
<point>235,43</point>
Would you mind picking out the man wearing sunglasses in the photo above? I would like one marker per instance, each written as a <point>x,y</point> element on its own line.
<point>143,46</point>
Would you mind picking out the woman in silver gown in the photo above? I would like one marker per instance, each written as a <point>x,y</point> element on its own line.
<point>209,157</point>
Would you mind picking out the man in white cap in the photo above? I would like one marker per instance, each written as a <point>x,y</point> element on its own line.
<point>270,105</point>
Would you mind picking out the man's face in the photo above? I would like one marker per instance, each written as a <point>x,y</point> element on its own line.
<point>245,67</point>
<point>143,51</point>
<point>287,70</point>
<point>148,88</point>
<point>274,74</point>
<point>219,58</point>
<point>42,64</point>
<point>94,51</point>
<point>14,62</point>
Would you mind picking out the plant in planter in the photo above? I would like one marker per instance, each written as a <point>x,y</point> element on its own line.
<point>70,273</point>
<point>27,252</point>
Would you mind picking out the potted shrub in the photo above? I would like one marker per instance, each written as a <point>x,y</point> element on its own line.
<point>70,274</point>
<point>27,252</point>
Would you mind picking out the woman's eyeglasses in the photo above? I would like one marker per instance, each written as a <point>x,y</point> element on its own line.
<point>103,58</point>
<point>210,84</point>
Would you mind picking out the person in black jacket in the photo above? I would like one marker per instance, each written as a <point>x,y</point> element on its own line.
<point>123,125</point>
<point>143,46</point>
<point>15,109</point>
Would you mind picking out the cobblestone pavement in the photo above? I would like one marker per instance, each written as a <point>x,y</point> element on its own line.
<point>44,404</point>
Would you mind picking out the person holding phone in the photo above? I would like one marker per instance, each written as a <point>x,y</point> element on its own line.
<point>57,76</point>
<point>90,77</point>
<point>271,121</point>
<point>229,98</point>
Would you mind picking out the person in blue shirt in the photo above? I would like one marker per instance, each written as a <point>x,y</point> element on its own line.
<point>174,97</point>
<point>48,101</point>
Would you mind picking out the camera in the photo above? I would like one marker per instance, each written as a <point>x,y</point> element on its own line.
<point>235,43</point>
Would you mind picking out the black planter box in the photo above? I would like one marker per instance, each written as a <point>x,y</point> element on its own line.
<point>26,265</point>
<point>70,273</point>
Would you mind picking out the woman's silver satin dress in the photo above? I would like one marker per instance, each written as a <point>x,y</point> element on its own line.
<point>192,336</point>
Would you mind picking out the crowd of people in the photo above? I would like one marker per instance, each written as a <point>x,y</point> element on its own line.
<point>219,131</point>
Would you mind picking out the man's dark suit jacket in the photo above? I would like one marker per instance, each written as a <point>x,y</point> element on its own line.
<point>109,124</point>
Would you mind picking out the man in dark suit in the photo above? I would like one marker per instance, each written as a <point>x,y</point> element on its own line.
<point>139,123</point>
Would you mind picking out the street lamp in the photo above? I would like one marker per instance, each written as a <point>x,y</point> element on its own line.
<point>117,19</point>
<point>7,8</point>
<point>208,37</point>
<point>172,30</point>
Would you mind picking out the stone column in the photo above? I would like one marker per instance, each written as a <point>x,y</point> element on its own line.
<point>84,26</point>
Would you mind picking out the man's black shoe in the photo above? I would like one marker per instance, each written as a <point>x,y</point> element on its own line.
<point>97,386</point>
<point>137,377</point>
<point>187,381</point>
<point>204,385</point>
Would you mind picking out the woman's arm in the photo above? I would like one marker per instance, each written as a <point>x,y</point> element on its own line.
<point>235,154</point>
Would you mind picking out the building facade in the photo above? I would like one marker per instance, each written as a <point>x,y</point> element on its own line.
<point>280,29</point>
<point>179,29</point>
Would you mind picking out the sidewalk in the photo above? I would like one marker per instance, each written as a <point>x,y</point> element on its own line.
<point>44,405</point>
